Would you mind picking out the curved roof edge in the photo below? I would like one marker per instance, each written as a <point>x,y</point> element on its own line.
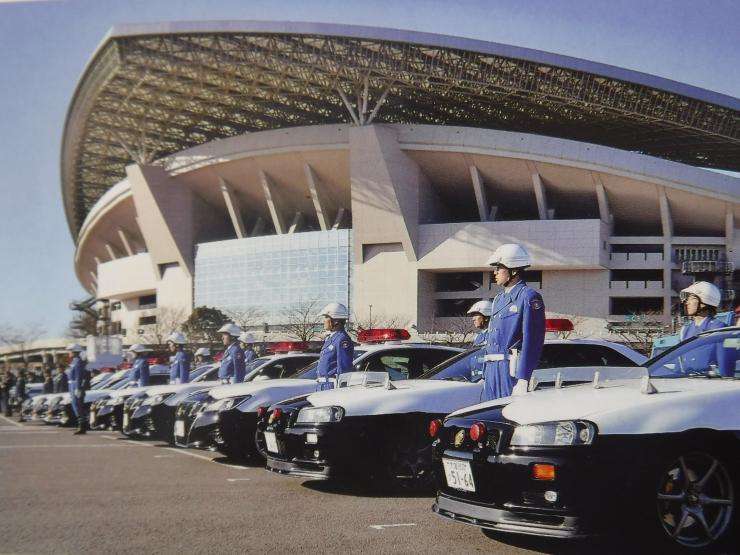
<point>422,38</point>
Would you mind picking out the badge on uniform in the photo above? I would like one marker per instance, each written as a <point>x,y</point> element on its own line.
<point>331,347</point>
<point>535,304</point>
<point>345,344</point>
<point>513,308</point>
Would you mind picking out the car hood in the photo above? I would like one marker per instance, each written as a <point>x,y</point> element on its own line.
<point>428,396</point>
<point>622,407</point>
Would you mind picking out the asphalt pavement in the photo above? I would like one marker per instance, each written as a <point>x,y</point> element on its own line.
<point>103,493</point>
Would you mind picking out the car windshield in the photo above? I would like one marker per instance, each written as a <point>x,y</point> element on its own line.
<point>196,374</point>
<point>456,368</point>
<point>309,372</point>
<point>713,355</point>
<point>250,373</point>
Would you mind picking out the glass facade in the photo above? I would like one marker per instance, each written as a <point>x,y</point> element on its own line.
<point>274,273</point>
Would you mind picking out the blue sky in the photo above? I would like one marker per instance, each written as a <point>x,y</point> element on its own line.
<point>44,47</point>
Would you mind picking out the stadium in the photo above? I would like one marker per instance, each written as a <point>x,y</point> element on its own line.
<point>259,166</point>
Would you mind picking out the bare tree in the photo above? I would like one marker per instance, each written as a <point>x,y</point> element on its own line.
<point>82,325</point>
<point>379,320</point>
<point>640,330</point>
<point>169,319</point>
<point>19,339</point>
<point>301,320</point>
<point>247,317</point>
<point>458,331</point>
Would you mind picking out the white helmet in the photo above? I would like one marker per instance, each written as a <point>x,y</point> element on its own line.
<point>231,328</point>
<point>137,348</point>
<point>510,255</point>
<point>247,338</point>
<point>708,293</point>
<point>74,347</point>
<point>177,337</point>
<point>485,308</point>
<point>203,351</point>
<point>335,311</point>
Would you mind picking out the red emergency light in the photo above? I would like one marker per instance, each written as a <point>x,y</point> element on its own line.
<point>218,357</point>
<point>379,335</point>
<point>288,346</point>
<point>558,324</point>
<point>157,360</point>
<point>124,365</point>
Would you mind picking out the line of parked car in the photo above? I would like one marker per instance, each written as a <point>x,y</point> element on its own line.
<point>603,439</point>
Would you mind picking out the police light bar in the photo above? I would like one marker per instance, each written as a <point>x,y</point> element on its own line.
<point>288,346</point>
<point>558,324</point>
<point>157,360</point>
<point>218,357</point>
<point>379,335</point>
<point>125,365</point>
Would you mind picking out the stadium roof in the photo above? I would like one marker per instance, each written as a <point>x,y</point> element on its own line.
<point>155,89</point>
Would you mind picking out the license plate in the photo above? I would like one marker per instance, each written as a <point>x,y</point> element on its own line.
<point>459,475</point>
<point>312,438</point>
<point>179,428</point>
<point>125,420</point>
<point>271,442</point>
<point>92,418</point>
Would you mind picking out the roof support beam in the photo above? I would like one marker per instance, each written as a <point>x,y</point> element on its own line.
<point>259,227</point>
<point>268,187</point>
<point>480,193</point>
<point>349,107</point>
<point>97,260</point>
<point>126,242</point>
<point>312,181</point>
<point>338,219</point>
<point>94,277</point>
<point>378,104</point>
<point>110,251</point>
<point>539,193</point>
<point>603,199</point>
<point>297,220</point>
<point>666,220</point>
<point>729,229</point>
<point>232,205</point>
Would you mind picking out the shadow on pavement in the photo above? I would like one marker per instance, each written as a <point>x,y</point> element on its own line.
<point>248,463</point>
<point>365,488</point>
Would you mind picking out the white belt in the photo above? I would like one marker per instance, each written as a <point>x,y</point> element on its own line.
<point>495,358</point>
<point>322,380</point>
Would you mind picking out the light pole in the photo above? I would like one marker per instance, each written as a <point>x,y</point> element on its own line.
<point>370,324</point>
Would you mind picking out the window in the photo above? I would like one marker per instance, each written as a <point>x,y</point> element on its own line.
<point>712,355</point>
<point>147,320</point>
<point>624,306</point>
<point>560,355</point>
<point>148,301</point>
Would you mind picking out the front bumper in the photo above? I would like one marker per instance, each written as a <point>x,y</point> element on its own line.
<point>236,431</point>
<point>199,432</point>
<point>106,417</point>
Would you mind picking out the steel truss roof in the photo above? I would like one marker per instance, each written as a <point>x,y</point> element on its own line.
<point>144,96</point>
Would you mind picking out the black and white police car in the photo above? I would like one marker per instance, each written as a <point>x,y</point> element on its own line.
<point>654,447</point>
<point>381,428</point>
<point>230,413</point>
<point>152,413</point>
<point>59,409</point>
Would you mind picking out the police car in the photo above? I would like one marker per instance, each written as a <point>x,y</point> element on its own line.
<point>227,417</point>
<point>59,410</point>
<point>381,428</point>
<point>197,423</point>
<point>106,406</point>
<point>653,448</point>
<point>152,413</point>
<point>40,404</point>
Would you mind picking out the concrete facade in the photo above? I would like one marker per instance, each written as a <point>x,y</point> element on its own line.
<point>608,230</point>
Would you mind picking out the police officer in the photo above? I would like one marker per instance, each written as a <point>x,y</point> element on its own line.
<point>180,365</point>
<point>700,301</point>
<point>202,356</point>
<point>337,353</point>
<point>140,369</point>
<point>232,365</point>
<point>48,386</point>
<point>246,340</point>
<point>516,332</point>
<point>20,393</point>
<point>481,313</point>
<point>77,377</point>
<point>61,384</point>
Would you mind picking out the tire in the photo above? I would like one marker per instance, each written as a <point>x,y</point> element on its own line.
<point>695,500</point>
<point>260,449</point>
<point>409,465</point>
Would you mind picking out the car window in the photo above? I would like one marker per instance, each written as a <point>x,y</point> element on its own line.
<point>159,379</point>
<point>711,355</point>
<point>456,367</point>
<point>398,363</point>
<point>309,372</point>
<point>271,371</point>
<point>293,364</point>
<point>210,375</point>
<point>560,355</point>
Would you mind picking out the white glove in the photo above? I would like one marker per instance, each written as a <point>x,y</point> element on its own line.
<point>520,388</point>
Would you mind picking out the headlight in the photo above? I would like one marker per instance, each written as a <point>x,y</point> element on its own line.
<point>567,432</point>
<point>161,398</point>
<point>226,404</point>
<point>317,415</point>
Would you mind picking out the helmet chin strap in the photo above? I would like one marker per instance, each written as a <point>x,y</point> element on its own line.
<point>512,274</point>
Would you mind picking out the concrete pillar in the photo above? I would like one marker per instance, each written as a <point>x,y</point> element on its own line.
<point>666,221</point>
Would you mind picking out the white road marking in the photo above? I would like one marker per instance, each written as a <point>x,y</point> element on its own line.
<point>238,479</point>
<point>13,422</point>
<point>17,432</point>
<point>189,454</point>
<point>384,526</point>
<point>164,456</point>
